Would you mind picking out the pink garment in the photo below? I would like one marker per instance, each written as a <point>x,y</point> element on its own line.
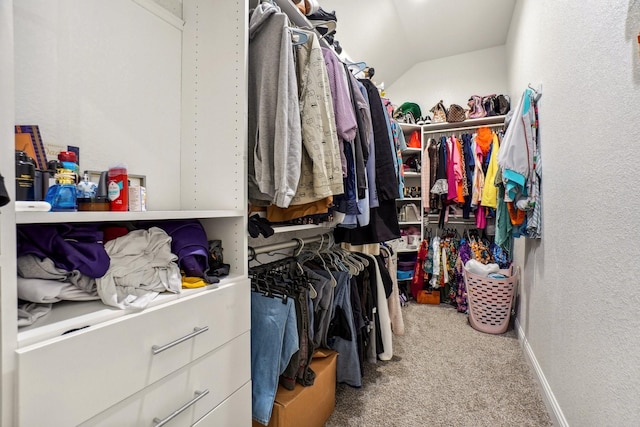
<point>451,174</point>
<point>481,218</point>
<point>425,178</point>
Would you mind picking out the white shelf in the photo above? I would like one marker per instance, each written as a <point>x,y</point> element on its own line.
<point>405,251</point>
<point>412,174</point>
<point>66,217</point>
<point>291,228</point>
<point>409,127</point>
<point>409,199</point>
<point>467,124</point>
<point>68,315</point>
<point>410,150</point>
<point>401,224</point>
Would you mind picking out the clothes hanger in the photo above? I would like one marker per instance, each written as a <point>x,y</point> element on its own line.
<point>302,36</point>
<point>361,66</point>
<point>316,255</point>
<point>537,92</point>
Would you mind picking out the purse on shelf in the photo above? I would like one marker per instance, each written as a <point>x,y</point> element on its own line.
<point>439,113</point>
<point>503,104</point>
<point>489,104</point>
<point>476,109</point>
<point>456,114</point>
<point>409,213</point>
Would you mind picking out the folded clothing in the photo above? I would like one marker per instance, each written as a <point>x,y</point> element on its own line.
<point>406,265</point>
<point>404,275</point>
<point>46,291</point>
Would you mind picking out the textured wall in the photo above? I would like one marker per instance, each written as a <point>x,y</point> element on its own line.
<point>579,307</point>
<point>453,79</point>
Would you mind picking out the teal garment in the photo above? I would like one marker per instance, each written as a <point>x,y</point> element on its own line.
<point>503,221</point>
<point>401,145</point>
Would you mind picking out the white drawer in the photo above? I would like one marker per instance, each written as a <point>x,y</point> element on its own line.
<point>233,412</point>
<point>69,379</point>
<point>221,373</point>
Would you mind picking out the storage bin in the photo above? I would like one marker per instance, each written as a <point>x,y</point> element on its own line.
<point>490,300</point>
<point>428,297</point>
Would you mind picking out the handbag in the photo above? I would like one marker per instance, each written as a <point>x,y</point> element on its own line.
<point>409,213</point>
<point>476,110</point>
<point>489,104</point>
<point>503,104</point>
<point>439,113</point>
<point>456,114</point>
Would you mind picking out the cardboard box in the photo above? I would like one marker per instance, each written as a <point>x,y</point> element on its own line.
<point>307,406</point>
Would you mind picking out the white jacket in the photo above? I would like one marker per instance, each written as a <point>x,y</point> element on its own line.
<point>516,156</point>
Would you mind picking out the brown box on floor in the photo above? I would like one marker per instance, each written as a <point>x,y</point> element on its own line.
<point>307,406</point>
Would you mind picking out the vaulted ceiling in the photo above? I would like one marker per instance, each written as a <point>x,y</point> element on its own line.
<point>394,35</point>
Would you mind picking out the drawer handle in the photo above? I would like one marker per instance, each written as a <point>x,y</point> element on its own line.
<point>196,331</point>
<point>199,395</point>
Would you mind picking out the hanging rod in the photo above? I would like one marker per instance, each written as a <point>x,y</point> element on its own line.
<point>294,243</point>
<point>433,132</point>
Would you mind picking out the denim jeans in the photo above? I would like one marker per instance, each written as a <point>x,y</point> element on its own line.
<point>274,339</point>
<point>348,364</point>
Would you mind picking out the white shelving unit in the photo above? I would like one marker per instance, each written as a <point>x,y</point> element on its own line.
<point>411,179</point>
<point>132,81</point>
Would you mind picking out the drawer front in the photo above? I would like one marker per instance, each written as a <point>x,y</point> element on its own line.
<point>219,374</point>
<point>233,412</point>
<point>100,366</point>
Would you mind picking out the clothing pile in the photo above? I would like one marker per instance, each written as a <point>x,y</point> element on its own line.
<point>124,266</point>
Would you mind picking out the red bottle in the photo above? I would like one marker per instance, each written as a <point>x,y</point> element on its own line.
<point>118,188</point>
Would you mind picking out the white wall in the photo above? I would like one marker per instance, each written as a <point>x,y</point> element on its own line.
<point>453,79</point>
<point>579,307</point>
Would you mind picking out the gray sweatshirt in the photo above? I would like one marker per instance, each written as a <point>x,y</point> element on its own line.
<point>275,138</point>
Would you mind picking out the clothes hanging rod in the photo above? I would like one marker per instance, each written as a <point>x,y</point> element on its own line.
<point>433,132</point>
<point>294,243</point>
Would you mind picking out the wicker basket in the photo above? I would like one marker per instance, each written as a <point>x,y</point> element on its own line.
<point>490,300</point>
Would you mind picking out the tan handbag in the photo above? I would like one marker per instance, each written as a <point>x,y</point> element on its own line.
<point>456,114</point>
<point>410,213</point>
<point>439,113</point>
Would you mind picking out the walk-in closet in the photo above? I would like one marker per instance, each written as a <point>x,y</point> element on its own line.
<point>319,213</point>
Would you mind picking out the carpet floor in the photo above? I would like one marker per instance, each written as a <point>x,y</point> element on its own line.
<point>444,373</point>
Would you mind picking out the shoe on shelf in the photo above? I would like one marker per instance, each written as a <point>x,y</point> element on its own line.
<point>322,15</point>
<point>424,120</point>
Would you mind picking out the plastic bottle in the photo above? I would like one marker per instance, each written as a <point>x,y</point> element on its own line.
<point>118,188</point>
<point>70,162</point>
<point>85,188</point>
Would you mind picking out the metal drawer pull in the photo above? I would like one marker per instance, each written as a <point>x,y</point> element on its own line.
<point>196,331</point>
<point>199,395</point>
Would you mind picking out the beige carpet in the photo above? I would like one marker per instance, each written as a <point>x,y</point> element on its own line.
<point>444,373</point>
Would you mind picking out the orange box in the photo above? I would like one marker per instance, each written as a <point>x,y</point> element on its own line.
<point>307,406</point>
<point>428,297</point>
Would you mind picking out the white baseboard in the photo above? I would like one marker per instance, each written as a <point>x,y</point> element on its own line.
<point>549,399</point>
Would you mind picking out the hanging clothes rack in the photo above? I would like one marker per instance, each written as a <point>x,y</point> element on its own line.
<point>447,131</point>
<point>296,243</point>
